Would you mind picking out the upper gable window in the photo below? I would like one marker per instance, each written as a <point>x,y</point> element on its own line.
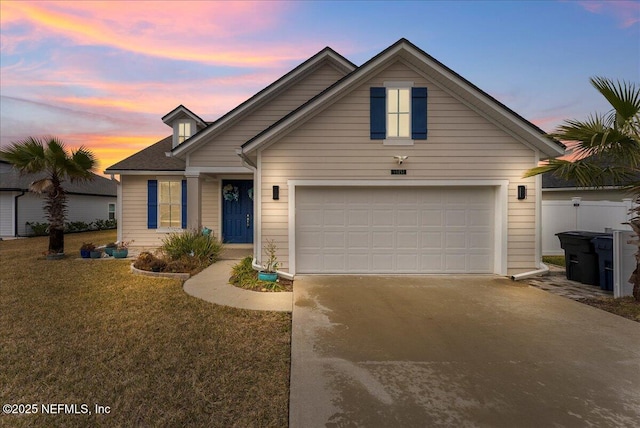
<point>398,113</point>
<point>184,131</point>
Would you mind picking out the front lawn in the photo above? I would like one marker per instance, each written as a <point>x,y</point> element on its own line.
<point>89,332</point>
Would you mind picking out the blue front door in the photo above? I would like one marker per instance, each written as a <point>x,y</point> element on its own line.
<point>237,211</point>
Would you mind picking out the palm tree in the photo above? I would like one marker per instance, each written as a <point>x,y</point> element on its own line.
<point>607,148</point>
<point>34,155</point>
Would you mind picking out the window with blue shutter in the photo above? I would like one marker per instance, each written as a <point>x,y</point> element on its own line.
<point>166,204</point>
<point>184,204</point>
<point>152,204</point>
<point>419,113</point>
<point>378,113</point>
<point>385,111</point>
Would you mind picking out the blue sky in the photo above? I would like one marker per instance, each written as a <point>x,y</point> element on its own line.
<point>102,74</point>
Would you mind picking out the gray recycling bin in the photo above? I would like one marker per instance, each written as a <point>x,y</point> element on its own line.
<point>603,246</point>
<point>581,260</point>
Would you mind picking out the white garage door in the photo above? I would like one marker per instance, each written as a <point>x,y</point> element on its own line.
<point>394,230</point>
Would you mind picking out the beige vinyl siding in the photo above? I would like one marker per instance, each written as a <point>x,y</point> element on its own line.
<point>211,205</point>
<point>461,144</point>
<point>221,150</point>
<point>134,210</point>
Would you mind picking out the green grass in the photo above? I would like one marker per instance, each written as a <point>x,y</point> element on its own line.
<point>88,331</point>
<point>554,260</point>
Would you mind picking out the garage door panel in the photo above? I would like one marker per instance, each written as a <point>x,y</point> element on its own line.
<point>358,240</point>
<point>382,240</point>
<point>407,240</point>
<point>407,218</point>
<point>394,230</point>
<point>334,240</point>
<point>358,217</point>
<point>431,240</point>
<point>456,217</point>
<point>382,217</point>
<point>432,217</point>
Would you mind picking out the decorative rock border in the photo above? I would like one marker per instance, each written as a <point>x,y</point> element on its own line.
<point>182,276</point>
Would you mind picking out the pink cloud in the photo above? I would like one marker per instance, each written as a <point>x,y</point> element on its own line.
<point>207,32</point>
<point>627,13</point>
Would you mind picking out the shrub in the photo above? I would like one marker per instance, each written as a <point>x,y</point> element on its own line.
<point>149,262</point>
<point>192,243</point>
<point>244,276</point>
<point>38,229</point>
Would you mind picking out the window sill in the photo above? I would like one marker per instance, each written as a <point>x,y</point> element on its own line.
<point>168,229</point>
<point>397,142</point>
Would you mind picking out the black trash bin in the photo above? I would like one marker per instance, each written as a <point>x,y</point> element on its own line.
<point>581,260</point>
<point>603,246</point>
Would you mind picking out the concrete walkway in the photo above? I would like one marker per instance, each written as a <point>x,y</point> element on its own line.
<point>212,285</point>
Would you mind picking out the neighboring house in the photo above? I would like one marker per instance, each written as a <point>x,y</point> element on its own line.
<point>313,162</point>
<point>565,207</point>
<point>86,201</point>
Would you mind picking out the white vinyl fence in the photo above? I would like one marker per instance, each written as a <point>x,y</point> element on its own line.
<point>576,214</point>
<point>593,216</point>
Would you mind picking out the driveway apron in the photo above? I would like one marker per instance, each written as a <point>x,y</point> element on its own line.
<point>457,351</point>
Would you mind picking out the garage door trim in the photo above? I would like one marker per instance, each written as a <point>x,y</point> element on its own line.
<point>501,214</point>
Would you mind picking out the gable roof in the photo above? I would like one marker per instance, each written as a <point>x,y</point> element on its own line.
<point>182,111</point>
<point>326,55</point>
<point>446,78</point>
<point>11,179</point>
<point>152,158</point>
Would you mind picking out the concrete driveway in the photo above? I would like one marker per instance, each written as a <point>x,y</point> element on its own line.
<point>457,351</point>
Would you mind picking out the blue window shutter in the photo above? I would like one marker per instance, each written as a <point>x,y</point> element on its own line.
<point>378,113</point>
<point>152,204</point>
<point>419,113</point>
<point>184,204</point>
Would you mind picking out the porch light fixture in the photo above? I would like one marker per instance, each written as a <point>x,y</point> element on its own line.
<point>522,192</point>
<point>276,193</point>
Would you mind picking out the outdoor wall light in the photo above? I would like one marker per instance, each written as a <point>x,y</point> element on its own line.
<point>276,193</point>
<point>522,192</point>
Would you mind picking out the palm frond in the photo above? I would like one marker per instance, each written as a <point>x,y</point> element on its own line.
<point>624,97</point>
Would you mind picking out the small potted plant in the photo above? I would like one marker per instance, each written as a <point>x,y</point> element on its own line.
<point>270,267</point>
<point>96,253</point>
<point>86,249</point>
<point>110,247</point>
<point>122,250</point>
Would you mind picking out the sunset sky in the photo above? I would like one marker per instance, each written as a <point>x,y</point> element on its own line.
<point>103,74</point>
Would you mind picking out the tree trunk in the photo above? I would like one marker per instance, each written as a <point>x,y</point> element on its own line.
<point>56,207</point>
<point>56,240</point>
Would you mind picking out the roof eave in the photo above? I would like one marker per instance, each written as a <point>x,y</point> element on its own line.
<point>259,97</point>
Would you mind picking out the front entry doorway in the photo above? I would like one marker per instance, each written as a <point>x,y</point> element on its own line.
<point>237,211</point>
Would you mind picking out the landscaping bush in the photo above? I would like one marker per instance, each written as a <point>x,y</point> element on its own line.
<point>42,229</point>
<point>149,262</point>
<point>244,276</point>
<point>38,229</point>
<point>192,243</point>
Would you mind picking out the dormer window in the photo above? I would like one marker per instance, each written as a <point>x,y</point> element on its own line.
<point>184,131</point>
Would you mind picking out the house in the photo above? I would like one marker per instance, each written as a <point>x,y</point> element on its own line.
<point>399,165</point>
<point>87,201</point>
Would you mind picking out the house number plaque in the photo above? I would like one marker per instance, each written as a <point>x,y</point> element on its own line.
<point>398,172</point>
